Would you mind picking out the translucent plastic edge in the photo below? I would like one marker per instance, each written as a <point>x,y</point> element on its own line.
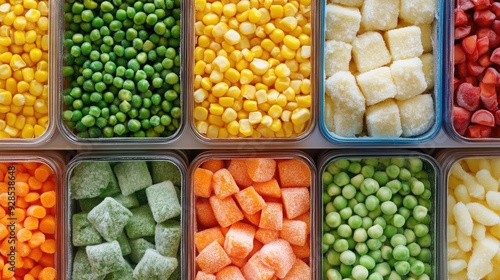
<point>440,21</point>
<point>74,139</point>
<point>53,81</point>
<point>56,162</point>
<point>314,78</point>
<point>121,156</point>
<point>230,155</point>
<point>439,257</point>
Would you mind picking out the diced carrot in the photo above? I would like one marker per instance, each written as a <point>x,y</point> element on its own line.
<point>202,182</point>
<point>204,213</point>
<point>28,277</point>
<point>203,238</point>
<point>22,189</point>
<point>48,273</point>
<point>34,183</point>
<point>36,254</point>
<point>49,246</point>
<point>48,224</point>
<point>7,272</point>
<point>23,249</point>
<point>20,214</point>
<point>272,216</point>
<point>224,184</point>
<point>21,202</point>
<point>213,258</point>
<point>20,168</point>
<point>295,232</point>
<point>20,272</point>
<point>5,247</point>
<point>279,255</point>
<point>28,263</point>
<point>213,165</point>
<point>294,173</point>
<point>296,201</point>
<point>4,167</point>
<point>224,230</point>
<point>225,210</point>
<point>302,252</point>
<point>306,218</point>
<point>24,235</point>
<point>32,197</point>
<point>239,240</point>
<point>266,235</point>
<point>300,271</point>
<point>238,168</point>
<point>37,239</point>
<point>31,223</point>
<point>4,187</point>
<point>204,276</point>
<point>230,272</point>
<point>2,212</point>
<point>43,172</point>
<point>250,201</point>
<point>48,199</point>
<point>256,269</point>
<point>261,169</point>
<point>270,188</point>
<point>254,218</point>
<point>48,186</point>
<point>36,211</point>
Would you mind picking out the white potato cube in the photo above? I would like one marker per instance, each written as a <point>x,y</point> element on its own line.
<point>351,3</point>
<point>342,23</point>
<point>463,218</point>
<point>418,11</point>
<point>382,120</point>
<point>455,266</point>
<point>482,214</point>
<point>343,90</point>
<point>370,52</point>
<point>408,77</point>
<point>428,68</point>
<point>426,37</point>
<point>404,42</point>
<point>380,14</point>
<point>329,110</point>
<point>348,124</point>
<point>377,85</point>
<point>417,114</point>
<point>337,57</point>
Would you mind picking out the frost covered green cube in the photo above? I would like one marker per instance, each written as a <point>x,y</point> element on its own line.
<point>125,273</point>
<point>154,266</point>
<point>139,247</point>
<point>177,274</point>
<point>124,244</point>
<point>82,269</point>
<point>132,176</point>
<point>83,232</point>
<point>168,238</point>
<point>129,201</point>
<point>109,218</point>
<point>92,179</point>
<point>88,204</point>
<point>141,224</point>
<point>105,257</point>
<point>165,171</point>
<point>162,199</point>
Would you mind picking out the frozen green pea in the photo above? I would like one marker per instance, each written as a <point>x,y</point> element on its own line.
<point>381,177</point>
<point>360,235</point>
<point>327,178</point>
<point>360,197</point>
<point>398,220</point>
<point>367,262</point>
<point>359,272</point>
<point>417,268</point>
<point>333,274</point>
<point>404,174</point>
<point>348,257</point>
<point>419,213</point>
<point>351,203</point>
<point>325,197</point>
<point>414,249</point>
<point>394,185</point>
<point>404,212</point>
<point>328,238</point>
<point>341,179</point>
<point>376,255</point>
<point>357,180</point>
<point>354,167</point>
<point>361,249</point>
<point>360,209</point>
<point>402,267</point>
<point>389,208</point>
<point>344,231</point>
<point>390,231</point>
<point>400,162</point>
<point>392,171</point>
<point>374,244</point>
<point>332,168</point>
<point>369,186</point>
<point>417,187</point>
<point>398,239</point>
<point>345,213</point>
<point>384,194</point>
<point>414,165</point>
<point>367,222</point>
<point>375,213</point>
<point>329,207</point>
<point>383,269</point>
<point>355,222</point>
<point>421,230</point>
<point>373,162</point>
<point>367,171</point>
<point>348,191</point>
<point>340,202</point>
<point>410,201</point>
<point>340,245</point>
<point>401,253</point>
<point>333,189</point>
<point>375,276</point>
<point>342,164</point>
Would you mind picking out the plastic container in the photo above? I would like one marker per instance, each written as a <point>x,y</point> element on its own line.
<point>460,133</point>
<point>346,177</point>
<point>208,116</point>
<point>243,235</point>
<point>45,89</point>
<point>140,217</point>
<point>355,125</point>
<point>140,111</point>
<point>480,164</point>
<point>33,194</point>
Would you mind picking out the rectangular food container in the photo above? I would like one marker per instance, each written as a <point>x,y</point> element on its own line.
<point>361,108</point>
<point>28,73</point>
<point>143,195</point>
<point>33,214</point>
<point>253,75</point>
<point>365,215</point>
<point>274,233</point>
<point>471,103</point>
<point>122,73</point>
<point>470,182</point>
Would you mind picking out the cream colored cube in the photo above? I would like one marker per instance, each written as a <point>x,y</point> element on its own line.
<point>408,77</point>
<point>351,3</point>
<point>370,52</point>
<point>342,23</point>
<point>417,114</point>
<point>428,68</point>
<point>343,90</point>
<point>347,123</point>
<point>426,37</point>
<point>379,14</point>
<point>404,42</point>
<point>382,120</point>
<point>377,85</point>
<point>337,57</point>
<point>328,114</point>
<point>418,11</point>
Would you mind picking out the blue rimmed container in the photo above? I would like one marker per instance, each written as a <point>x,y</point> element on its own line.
<point>438,45</point>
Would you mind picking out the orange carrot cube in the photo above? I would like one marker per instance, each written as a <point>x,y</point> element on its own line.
<point>302,252</point>
<point>230,272</point>
<point>224,184</point>
<point>296,201</point>
<point>239,240</point>
<point>202,182</point>
<point>253,219</point>
<point>204,213</point>
<point>266,235</point>
<point>225,210</point>
<point>204,276</point>
<point>279,255</point>
<point>306,218</point>
<point>213,258</point>
<point>255,269</point>
<point>238,168</point>
<point>295,232</point>
<point>300,271</point>
<point>250,201</point>
<point>213,165</point>
<point>261,169</point>
<point>272,216</point>
<point>294,173</point>
<point>203,238</point>
<point>270,188</point>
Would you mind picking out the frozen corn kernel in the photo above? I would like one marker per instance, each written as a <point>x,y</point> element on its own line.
<point>252,61</point>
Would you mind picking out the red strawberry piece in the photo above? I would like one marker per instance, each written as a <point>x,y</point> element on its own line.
<point>478,131</point>
<point>490,76</point>
<point>462,31</point>
<point>459,54</point>
<point>468,96</point>
<point>495,56</point>
<point>473,57</point>
<point>461,70</point>
<point>497,117</point>
<point>496,26</point>
<point>461,119</point>
<point>484,18</point>
<point>484,60</point>
<point>495,8</point>
<point>492,36</point>
<point>471,80</point>
<point>475,69</point>
<point>460,17</point>
<point>483,117</point>
<point>482,45</point>
<point>481,4</point>
<point>465,4</point>
<point>469,44</point>
<point>489,96</point>
<point>456,82</point>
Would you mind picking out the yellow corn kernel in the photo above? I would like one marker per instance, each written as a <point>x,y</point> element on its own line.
<point>207,30</point>
<point>22,87</point>
<point>213,131</point>
<point>199,5</point>
<point>209,56</point>
<point>36,88</point>
<point>242,65</point>
<point>288,24</point>
<point>281,100</point>
<point>236,55</point>
<point>276,11</point>
<point>250,105</point>
<point>246,76</point>
<point>305,68</point>
<point>220,89</point>
<point>5,97</point>
<point>20,122</point>
<point>5,72</point>
<point>264,107</point>
<point>254,117</point>
<point>216,109</point>
<point>276,125</point>
<point>243,6</point>
<point>291,42</point>
<point>300,116</point>
<point>9,18</point>
<point>289,93</point>
<point>219,30</point>
<point>287,53</point>
<point>206,84</point>
<point>303,101</point>
<point>282,84</point>
<point>29,99</point>
<point>5,57</point>
<point>267,45</point>
<point>40,106</point>
<point>254,3</point>
<point>226,101</point>
<point>197,81</point>
<point>223,133</point>
<point>221,63</point>
<point>43,7</point>
<point>289,10</point>
<point>285,116</point>
<point>17,62</point>
<point>222,52</point>
<point>287,128</point>
<point>38,130</point>
<point>234,92</point>
<point>3,124</point>
<point>293,65</point>
<point>18,100</point>
<point>305,87</point>
<point>210,19</point>
<point>227,47</point>
<point>242,16</point>
<point>232,37</point>
<point>229,10</point>
<point>19,38</point>
<point>248,91</point>
<point>216,76</point>
<point>243,44</point>
<point>229,115</point>
<point>199,28</point>
<point>42,65</point>
<point>257,51</point>
<point>269,78</point>
<point>5,41</point>
<point>247,55</point>
<point>200,113</point>
<point>259,66</point>
<point>212,99</point>
<point>247,28</point>
<point>11,84</point>
<point>245,127</point>
<point>32,15</point>
<point>4,30</point>
<point>199,53</point>
<point>43,121</point>
<point>282,71</point>
<point>12,131</point>
<point>27,131</point>
<point>217,7</point>
<point>261,96</point>
<point>233,128</point>
<point>259,32</point>
<point>20,23</point>
<point>204,41</point>
<point>31,120</point>
<point>202,127</point>
<point>291,106</point>
<point>217,120</point>
<point>265,16</point>
<point>200,95</point>
<point>277,35</point>
<point>267,121</point>
<point>4,109</point>
<point>232,75</point>
<point>275,111</point>
<point>205,103</point>
<point>233,23</point>
<point>28,74</point>
<point>10,118</point>
<point>41,76</point>
<point>199,67</point>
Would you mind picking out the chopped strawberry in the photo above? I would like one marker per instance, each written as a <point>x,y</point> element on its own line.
<point>461,119</point>
<point>484,60</point>
<point>489,96</point>
<point>459,54</point>
<point>483,45</point>
<point>461,70</point>
<point>495,56</point>
<point>497,117</point>
<point>469,44</point>
<point>484,18</point>
<point>483,117</point>
<point>490,76</point>
<point>460,17</point>
<point>462,31</point>
<point>473,57</point>
<point>475,69</point>
<point>495,8</point>
<point>468,96</point>
<point>456,82</point>
<point>478,131</point>
<point>496,26</point>
<point>481,4</point>
<point>492,36</point>
<point>471,80</point>
<point>465,4</point>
